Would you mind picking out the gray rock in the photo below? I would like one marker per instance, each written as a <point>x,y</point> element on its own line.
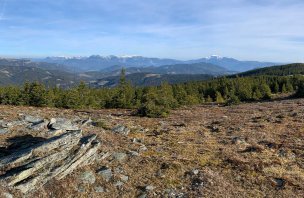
<point>86,122</point>
<point>7,195</point>
<point>106,173</point>
<point>32,119</point>
<point>121,130</point>
<point>171,193</point>
<point>53,158</point>
<point>88,177</point>
<point>52,121</point>
<point>99,189</point>
<point>142,195</point>
<point>16,123</point>
<point>3,124</point>
<point>103,155</point>
<point>3,131</point>
<point>136,140</point>
<point>118,170</point>
<point>119,156</point>
<point>149,188</point>
<point>195,171</point>
<point>142,148</point>
<point>38,126</point>
<point>62,124</point>
<point>80,189</point>
<point>54,132</point>
<point>238,140</point>
<point>133,153</point>
<point>118,184</point>
<point>124,178</point>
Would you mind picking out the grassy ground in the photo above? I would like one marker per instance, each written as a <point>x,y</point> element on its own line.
<point>249,150</point>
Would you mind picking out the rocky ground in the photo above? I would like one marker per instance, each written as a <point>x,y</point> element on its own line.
<point>249,150</point>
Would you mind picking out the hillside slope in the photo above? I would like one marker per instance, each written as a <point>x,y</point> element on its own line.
<point>282,70</point>
<point>194,68</point>
<point>18,75</point>
<point>149,79</point>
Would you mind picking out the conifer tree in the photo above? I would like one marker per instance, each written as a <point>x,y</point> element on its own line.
<point>219,97</point>
<point>284,90</point>
<point>209,99</point>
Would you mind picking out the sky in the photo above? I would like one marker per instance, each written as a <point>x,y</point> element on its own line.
<point>268,30</point>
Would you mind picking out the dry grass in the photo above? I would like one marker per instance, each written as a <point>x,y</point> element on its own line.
<point>249,150</point>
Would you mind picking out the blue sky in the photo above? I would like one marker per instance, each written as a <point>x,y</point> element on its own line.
<point>271,30</point>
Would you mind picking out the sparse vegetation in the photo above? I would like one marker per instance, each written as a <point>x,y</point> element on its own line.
<point>228,148</point>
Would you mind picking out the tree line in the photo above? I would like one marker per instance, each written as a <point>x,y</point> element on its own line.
<point>153,101</point>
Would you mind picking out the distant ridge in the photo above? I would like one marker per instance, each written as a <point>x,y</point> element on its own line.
<point>97,62</point>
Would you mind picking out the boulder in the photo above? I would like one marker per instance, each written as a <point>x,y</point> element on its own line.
<point>88,177</point>
<point>120,129</point>
<point>99,189</point>
<point>105,173</point>
<point>120,157</point>
<point>62,124</point>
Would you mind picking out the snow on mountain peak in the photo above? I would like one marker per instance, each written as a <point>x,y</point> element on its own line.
<point>129,56</point>
<point>214,57</point>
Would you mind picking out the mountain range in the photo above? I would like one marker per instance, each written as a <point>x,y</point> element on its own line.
<point>99,71</point>
<point>17,71</point>
<point>97,62</point>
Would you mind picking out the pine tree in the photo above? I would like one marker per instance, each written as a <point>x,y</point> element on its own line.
<point>276,88</point>
<point>209,99</point>
<point>151,106</point>
<point>124,97</point>
<point>284,90</point>
<point>219,97</point>
<point>289,86</point>
<point>37,95</point>
<point>180,94</point>
<point>232,100</point>
<point>265,91</point>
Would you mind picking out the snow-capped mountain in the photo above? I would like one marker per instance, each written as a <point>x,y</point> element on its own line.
<point>233,64</point>
<point>97,62</point>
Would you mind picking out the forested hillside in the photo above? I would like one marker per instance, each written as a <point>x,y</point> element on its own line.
<point>155,101</point>
<point>18,75</point>
<point>282,70</point>
<point>148,79</point>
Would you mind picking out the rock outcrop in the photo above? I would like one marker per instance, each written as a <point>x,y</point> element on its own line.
<point>37,161</point>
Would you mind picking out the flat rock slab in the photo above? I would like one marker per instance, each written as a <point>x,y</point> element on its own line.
<point>32,119</point>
